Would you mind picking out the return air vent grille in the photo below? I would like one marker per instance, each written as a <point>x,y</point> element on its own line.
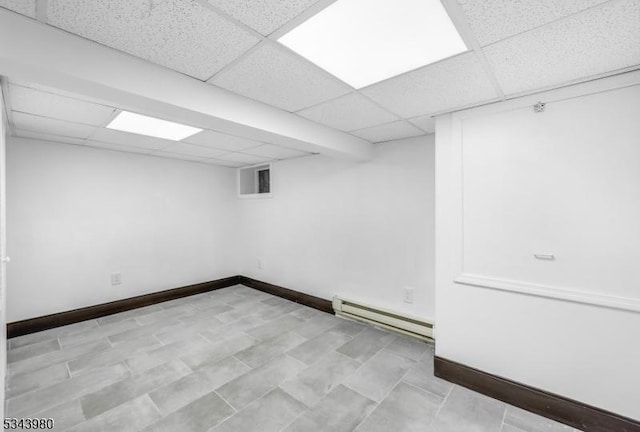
<point>388,319</point>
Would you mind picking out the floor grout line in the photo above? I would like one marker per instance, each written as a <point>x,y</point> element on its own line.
<point>228,403</point>
<point>443,402</point>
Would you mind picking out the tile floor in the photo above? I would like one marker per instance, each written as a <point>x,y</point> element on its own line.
<point>238,359</point>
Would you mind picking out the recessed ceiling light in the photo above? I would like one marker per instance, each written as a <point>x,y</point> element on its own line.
<point>366,41</point>
<point>140,124</point>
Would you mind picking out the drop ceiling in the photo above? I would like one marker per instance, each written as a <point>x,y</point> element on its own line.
<point>514,47</point>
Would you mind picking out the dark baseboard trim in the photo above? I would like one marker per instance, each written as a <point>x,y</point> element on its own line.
<point>298,297</point>
<point>559,408</point>
<point>32,325</point>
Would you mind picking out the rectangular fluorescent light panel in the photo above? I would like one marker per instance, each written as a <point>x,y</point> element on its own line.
<point>366,41</point>
<point>142,125</point>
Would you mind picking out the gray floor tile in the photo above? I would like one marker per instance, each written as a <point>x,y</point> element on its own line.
<point>48,397</point>
<point>406,409</point>
<point>275,327</point>
<point>314,349</point>
<point>313,383</point>
<point>270,413</point>
<point>245,301</point>
<point>96,333</point>
<point>224,371</point>
<point>121,392</point>
<point>307,313</point>
<point>366,344</point>
<point>179,393</point>
<point>409,347</point>
<point>274,312</point>
<point>378,375</point>
<point>250,386</point>
<point>215,335</point>
<point>317,325</point>
<point>226,295</point>
<point>261,353</point>
<point>32,350</point>
<point>111,355</point>
<point>508,428</point>
<point>205,318</point>
<point>341,411</point>
<point>421,375</point>
<point>53,333</point>
<point>178,333</point>
<point>162,315</point>
<point>145,331</point>
<point>209,301</point>
<point>154,357</point>
<point>276,301</point>
<point>109,319</point>
<point>348,327</point>
<point>465,410</point>
<point>216,352</point>
<point>530,422</point>
<point>22,383</point>
<point>65,415</point>
<point>243,311</point>
<point>198,416</point>
<point>48,359</point>
<point>129,417</point>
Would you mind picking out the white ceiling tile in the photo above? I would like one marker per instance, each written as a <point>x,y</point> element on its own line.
<point>264,16</point>
<point>277,77</point>
<point>50,126</point>
<point>47,104</point>
<point>117,147</point>
<point>49,137</point>
<point>193,150</point>
<point>182,35</point>
<point>24,7</point>
<point>390,131</point>
<point>172,155</point>
<point>243,158</point>
<point>425,122</point>
<point>272,151</point>
<point>217,140</point>
<point>112,136</point>
<point>593,42</point>
<point>493,20</point>
<point>446,85</point>
<point>229,164</point>
<point>347,113</point>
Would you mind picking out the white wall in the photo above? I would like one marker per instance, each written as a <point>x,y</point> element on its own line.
<point>3,318</point>
<point>511,183</point>
<point>361,230</point>
<point>77,214</point>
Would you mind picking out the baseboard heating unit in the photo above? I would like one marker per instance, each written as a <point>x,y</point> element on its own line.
<point>402,323</point>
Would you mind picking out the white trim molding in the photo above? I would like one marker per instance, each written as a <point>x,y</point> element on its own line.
<point>552,292</point>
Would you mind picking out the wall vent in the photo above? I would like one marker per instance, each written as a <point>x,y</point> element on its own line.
<point>402,323</point>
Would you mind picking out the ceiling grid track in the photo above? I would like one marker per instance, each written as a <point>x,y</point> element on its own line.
<point>460,22</point>
<point>41,10</point>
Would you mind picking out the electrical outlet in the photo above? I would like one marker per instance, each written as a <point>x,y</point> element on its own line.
<point>408,294</point>
<point>116,278</point>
